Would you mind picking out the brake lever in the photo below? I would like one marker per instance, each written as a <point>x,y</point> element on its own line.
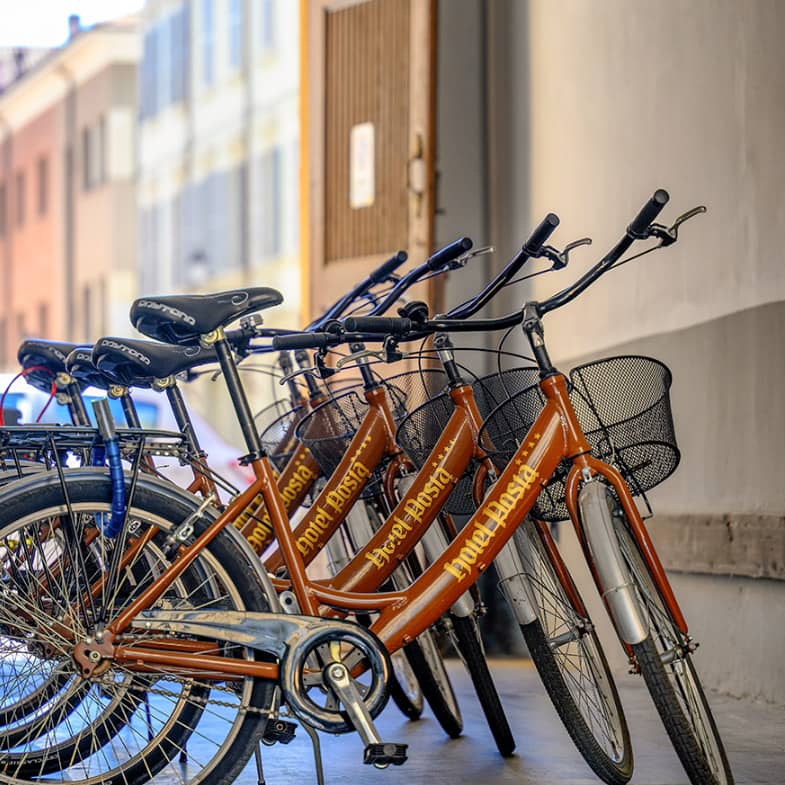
<point>559,259</point>
<point>470,254</point>
<point>390,353</point>
<point>349,358</point>
<point>667,235</point>
<point>295,374</point>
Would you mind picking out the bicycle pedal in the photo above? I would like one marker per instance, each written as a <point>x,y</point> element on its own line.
<point>385,754</point>
<point>279,731</point>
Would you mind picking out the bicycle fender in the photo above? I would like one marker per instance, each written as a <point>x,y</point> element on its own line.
<point>616,585</point>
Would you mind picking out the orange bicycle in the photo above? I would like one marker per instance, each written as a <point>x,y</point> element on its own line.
<point>193,620</point>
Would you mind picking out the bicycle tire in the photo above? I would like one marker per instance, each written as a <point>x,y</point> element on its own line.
<point>469,646</point>
<point>404,688</point>
<point>686,717</point>
<point>428,666</point>
<point>158,504</point>
<point>423,653</point>
<point>586,719</point>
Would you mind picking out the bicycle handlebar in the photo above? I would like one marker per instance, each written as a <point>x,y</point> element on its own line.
<point>380,325</point>
<point>382,273</point>
<point>388,268</point>
<point>637,230</point>
<point>531,247</point>
<point>307,341</point>
<point>442,258</point>
<point>448,254</point>
<point>375,327</point>
<point>540,235</point>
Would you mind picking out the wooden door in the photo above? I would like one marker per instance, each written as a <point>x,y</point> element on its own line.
<point>367,91</point>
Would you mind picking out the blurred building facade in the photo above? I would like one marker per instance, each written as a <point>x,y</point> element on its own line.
<point>218,152</point>
<point>67,192</point>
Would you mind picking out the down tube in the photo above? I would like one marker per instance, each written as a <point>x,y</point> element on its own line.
<point>407,523</point>
<point>506,505</point>
<point>342,490</point>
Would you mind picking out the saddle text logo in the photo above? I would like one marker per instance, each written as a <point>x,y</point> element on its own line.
<point>168,309</point>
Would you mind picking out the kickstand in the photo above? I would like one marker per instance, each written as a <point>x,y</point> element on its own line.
<point>259,767</point>
<point>317,752</point>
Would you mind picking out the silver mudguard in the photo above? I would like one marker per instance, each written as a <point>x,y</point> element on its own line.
<point>616,584</point>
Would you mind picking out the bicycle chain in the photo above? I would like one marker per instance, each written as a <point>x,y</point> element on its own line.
<point>200,701</point>
<point>189,682</point>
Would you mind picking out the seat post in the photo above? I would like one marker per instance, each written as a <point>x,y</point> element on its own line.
<point>68,387</point>
<point>181,416</point>
<point>129,408</point>
<point>239,399</point>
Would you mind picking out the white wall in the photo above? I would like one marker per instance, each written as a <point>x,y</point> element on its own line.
<point>604,102</point>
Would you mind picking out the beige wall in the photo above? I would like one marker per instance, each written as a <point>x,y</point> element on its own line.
<point>592,107</point>
<point>607,101</point>
<point>597,105</point>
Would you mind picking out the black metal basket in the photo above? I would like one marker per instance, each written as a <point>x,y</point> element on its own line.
<point>276,424</point>
<point>328,429</point>
<point>623,406</point>
<point>418,433</point>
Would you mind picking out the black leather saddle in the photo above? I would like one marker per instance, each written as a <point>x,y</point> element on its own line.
<point>137,363</point>
<point>49,356</point>
<point>181,319</point>
<point>81,366</point>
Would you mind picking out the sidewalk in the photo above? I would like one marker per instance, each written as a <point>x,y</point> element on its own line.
<point>754,736</point>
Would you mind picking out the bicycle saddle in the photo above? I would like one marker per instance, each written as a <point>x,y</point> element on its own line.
<point>48,355</point>
<point>80,365</point>
<point>182,318</point>
<point>137,363</point>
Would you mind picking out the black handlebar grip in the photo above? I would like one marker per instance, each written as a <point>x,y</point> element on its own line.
<point>305,341</point>
<point>541,234</point>
<point>389,267</point>
<point>382,325</point>
<point>445,255</point>
<point>649,211</point>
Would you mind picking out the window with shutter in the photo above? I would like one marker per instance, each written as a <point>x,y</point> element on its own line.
<point>267,18</point>
<point>236,33</point>
<point>207,42</point>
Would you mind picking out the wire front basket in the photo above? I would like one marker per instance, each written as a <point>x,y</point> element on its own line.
<point>328,430</point>
<point>623,406</point>
<point>277,424</point>
<point>419,431</point>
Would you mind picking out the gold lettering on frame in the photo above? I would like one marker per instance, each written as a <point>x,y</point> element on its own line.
<point>496,514</point>
<point>415,509</point>
<point>336,500</point>
<point>262,533</point>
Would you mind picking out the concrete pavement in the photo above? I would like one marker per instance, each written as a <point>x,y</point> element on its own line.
<point>754,735</point>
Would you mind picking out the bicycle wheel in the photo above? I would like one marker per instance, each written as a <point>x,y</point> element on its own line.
<point>404,688</point>
<point>423,653</point>
<point>569,658</point>
<point>665,663</point>
<point>355,531</point>
<point>428,666</point>
<point>468,643</point>
<point>128,727</point>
